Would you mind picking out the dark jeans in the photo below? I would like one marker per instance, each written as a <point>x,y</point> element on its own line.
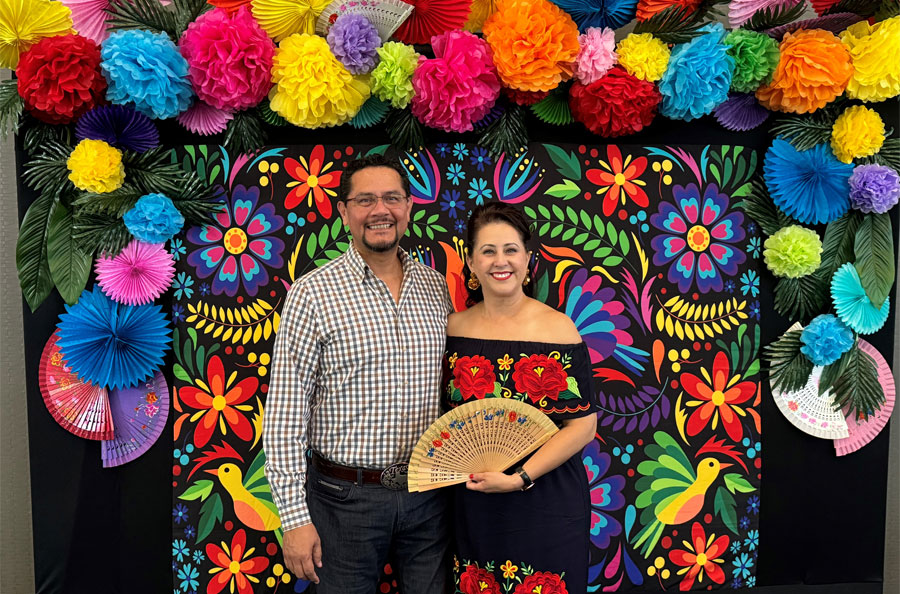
<point>364,526</point>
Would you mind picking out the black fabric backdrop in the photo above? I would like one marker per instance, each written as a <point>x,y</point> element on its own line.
<point>104,531</point>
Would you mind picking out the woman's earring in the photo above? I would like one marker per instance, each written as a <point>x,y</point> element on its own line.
<point>473,282</point>
<point>527,280</point>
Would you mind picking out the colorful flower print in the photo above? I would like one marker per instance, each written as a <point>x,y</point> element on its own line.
<point>220,396</point>
<point>234,566</point>
<point>717,398</point>
<point>240,246</point>
<point>702,558</point>
<point>619,179</point>
<point>597,315</point>
<point>698,237</point>
<point>606,495</point>
<point>314,180</point>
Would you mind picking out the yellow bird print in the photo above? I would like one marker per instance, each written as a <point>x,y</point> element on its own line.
<point>252,496</point>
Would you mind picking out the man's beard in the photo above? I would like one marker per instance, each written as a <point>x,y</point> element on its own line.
<point>382,247</point>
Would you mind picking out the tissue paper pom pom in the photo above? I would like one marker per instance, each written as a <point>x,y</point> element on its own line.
<point>392,78</point>
<point>741,113</point>
<point>874,50</point>
<point>810,185</point>
<point>825,339</point>
<point>616,105</point>
<point>29,22</point>
<point>793,251</point>
<point>139,274</point>
<point>204,119</point>
<point>534,44</point>
<point>96,167</point>
<point>813,69</point>
<point>312,89</point>
<point>851,303</point>
<point>459,86</point>
<point>120,126</point>
<point>755,57</point>
<point>740,11</point>
<point>644,56</point>
<point>598,13</point>
<point>857,132</point>
<point>597,55</point>
<point>648,8</point>
<point>698,77</point>
<point>153,219</point>
<point>525,97</point>
<point>146,69</point>
<point>230,5</point>
<point>229,58</point>
<point>353,41</point>
<point>59,78</point>
<point>874,188</point>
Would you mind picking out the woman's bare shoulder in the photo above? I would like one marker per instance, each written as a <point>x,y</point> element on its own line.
<point>553,325</point>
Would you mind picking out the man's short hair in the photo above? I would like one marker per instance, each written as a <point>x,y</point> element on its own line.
<point>366,162</point>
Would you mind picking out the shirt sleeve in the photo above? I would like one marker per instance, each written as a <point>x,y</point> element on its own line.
<point>295,360</point>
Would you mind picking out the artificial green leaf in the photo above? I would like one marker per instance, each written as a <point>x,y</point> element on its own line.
<point>874,251</point>
<point>32,260</point>
<point>150,15</point>
<point>508,134</point>
<point>47,172</point>
<point>760,207</point>
<point>404,130</point>
<point>101,233</point>
<point>40,135</point>
<point>244,133</point>
<point>69,265</point>
<point>858,387</point>
<point>801,297</point>
<point>789,369</point>
<point>675,24</point>
<point>832,371</point>
<point>774,16</point>
<point>837,245</point>
<point>11,104</point>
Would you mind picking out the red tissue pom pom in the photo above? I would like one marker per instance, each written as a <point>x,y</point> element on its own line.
<point>615,105</point>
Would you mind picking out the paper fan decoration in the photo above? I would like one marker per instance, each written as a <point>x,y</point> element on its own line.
<point>110,344</point>
<point>833,22</point>
<point>89,18</point>
<point>741,112</point>
<point>385,15</point>
<point>432,17</point>
<point>851,303</point>
<point>139,414</point>
<point>809,411</point>
<point>371,113</point>
<point>484,435</point>
<point>554,108</point>
<point>204,119</point>
<point>283,18</point>
<point>139,274</point>
<point>862,431</point>
<point>119,125</point>
<point>79,407</point>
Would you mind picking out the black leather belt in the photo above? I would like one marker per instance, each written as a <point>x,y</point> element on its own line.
<point>393,477</point>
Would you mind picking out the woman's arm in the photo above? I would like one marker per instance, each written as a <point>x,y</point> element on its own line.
<point>571,439</point>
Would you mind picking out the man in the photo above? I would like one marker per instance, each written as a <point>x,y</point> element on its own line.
<point>356,381</point>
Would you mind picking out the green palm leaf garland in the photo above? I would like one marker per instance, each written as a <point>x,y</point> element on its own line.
<point>676,24</point>
<point>874,251</point>
<point>789,369</point>
<point>508,134</point>
<point>150,15</point>
<point>889,155</point>
<point>245,133</point>
<point>32,260</point>
<point>802,297</point>
<point>775,16</point>
<point>837,245</point>
<point>760,207</point>
<point>11,105</point>
<point>404,130</point>
<point>38,134</point>
<point>806,131</point>
<point>47,173</point>
<point>857,387</point>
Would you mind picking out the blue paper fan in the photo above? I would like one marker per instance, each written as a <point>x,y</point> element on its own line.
<point>111,344</point>
<point>852,304</point>
<point>599,13</point>
<point>119,125</point>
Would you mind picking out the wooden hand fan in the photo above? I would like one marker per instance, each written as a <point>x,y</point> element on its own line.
<point>480,436</point>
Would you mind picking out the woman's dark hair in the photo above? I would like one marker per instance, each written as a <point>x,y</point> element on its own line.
<point>495,212</point>
<point>374,160</point>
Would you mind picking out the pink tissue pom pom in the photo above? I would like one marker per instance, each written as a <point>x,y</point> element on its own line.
<point>459,86</point>
<point>204,119</point>
<point>138,275</point>
<point>229,57</point>
<point>597,54</point>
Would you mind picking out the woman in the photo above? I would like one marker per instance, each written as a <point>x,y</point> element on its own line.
<point>526,529</point>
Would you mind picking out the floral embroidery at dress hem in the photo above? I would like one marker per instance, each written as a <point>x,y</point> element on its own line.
<point>470,578</point>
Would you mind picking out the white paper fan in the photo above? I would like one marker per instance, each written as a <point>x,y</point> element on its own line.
<point>809,411</point>
<point>862,431</point>
<point>385,15</point>
<point>479,436</point>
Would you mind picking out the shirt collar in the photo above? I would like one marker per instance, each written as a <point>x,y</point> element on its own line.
<point>360,268</point>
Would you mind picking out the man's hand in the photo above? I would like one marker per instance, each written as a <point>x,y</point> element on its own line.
<point>303,552</point>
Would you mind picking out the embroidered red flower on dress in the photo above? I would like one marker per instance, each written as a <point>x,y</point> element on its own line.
<point>478,581</point>
<point>540,376</point>
<point>542,582</point>
<point>474,376</point>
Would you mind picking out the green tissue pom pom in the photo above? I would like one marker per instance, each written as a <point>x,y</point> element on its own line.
<point>793,252</point>
<point>755,57</point>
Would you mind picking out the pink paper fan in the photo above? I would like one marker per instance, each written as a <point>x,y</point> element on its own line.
<point>204,119</point>
<point>862,431</point>
<point>89,18</point>
<point>138,275</point>
<point>740,11</point>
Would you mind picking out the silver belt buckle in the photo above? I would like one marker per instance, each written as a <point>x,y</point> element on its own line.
<point>394,476</point>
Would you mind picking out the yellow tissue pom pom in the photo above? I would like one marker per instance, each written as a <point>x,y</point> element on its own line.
<point>644,56</point>
<point>312,89</point>
<point>858,132</point>
<point>874,50</point>
<point>392,78</point>
<point>96,167</point>
<point>25,22</point>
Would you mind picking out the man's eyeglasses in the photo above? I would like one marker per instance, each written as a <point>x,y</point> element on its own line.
<point>391,200</point>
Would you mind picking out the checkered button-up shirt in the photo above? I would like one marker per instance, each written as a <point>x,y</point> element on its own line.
<point>355,375</point>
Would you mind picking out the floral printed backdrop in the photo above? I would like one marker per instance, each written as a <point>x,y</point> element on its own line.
<point>645,248</point>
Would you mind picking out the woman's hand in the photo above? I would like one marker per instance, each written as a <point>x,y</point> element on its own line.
<point>494,482</point>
